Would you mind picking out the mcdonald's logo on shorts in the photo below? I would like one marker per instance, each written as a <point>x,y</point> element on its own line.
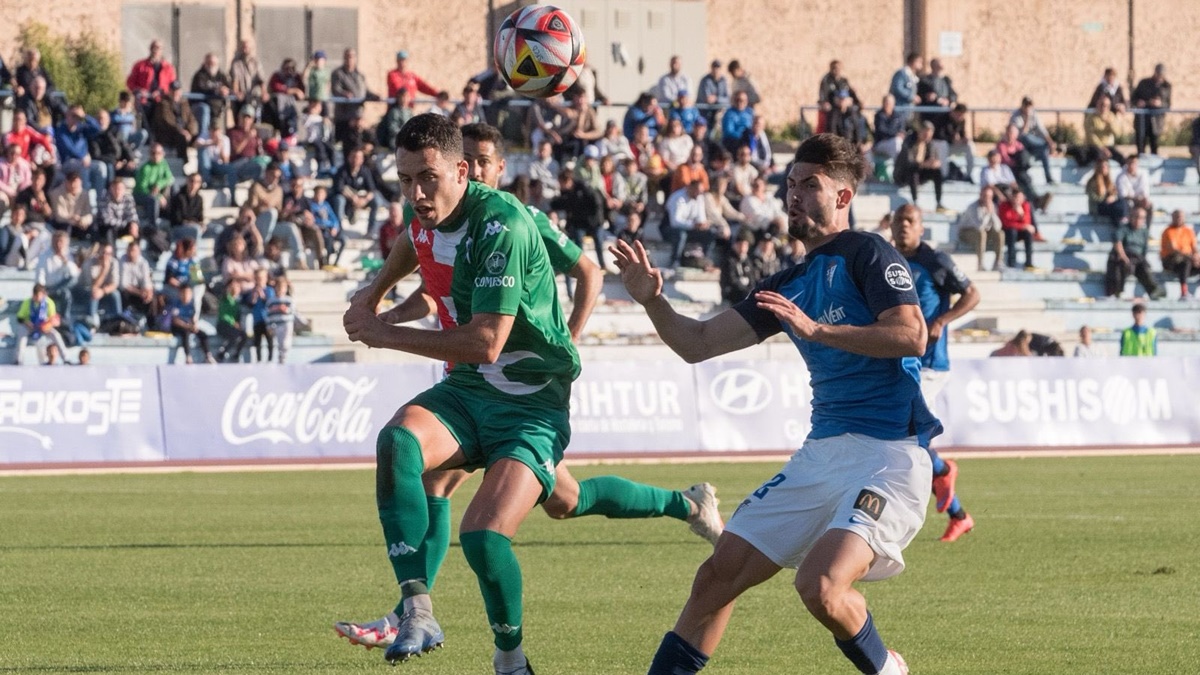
<point>870,503</point>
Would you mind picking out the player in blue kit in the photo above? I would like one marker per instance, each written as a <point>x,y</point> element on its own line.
<point>937,280</point>
<point>854,495</point>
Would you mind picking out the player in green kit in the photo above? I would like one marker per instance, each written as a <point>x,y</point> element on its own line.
<point>503,407</point>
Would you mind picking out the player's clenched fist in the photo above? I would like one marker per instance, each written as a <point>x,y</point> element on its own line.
<point>362,325</point>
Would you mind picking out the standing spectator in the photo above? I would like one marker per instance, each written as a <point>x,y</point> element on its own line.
<point>713,96</point>
<point>889,129</point>
<point>38,318</point>
<point>266,200</point>
<point>348,82</point>
<point>736,123</point>
<point>184,327</point>
<point>1111,90</point>
<point>136,281</point>
<point>644,112</point>
<point>584,209</point>
<point>281,318</point>
<point>128,122</point>
<point>1152,98</point>
<point>324,217</point>
<point>36,238</point>
<point>354,190</point>
<point>737,269</point>
<point>29,70</point>
<point>153,184</point>
<point>904,81</point>
<point>295,211</point>
<point>1103,197</point>
<point>117,216</point>
<point>1130,242</point>
<point>35,200</point>
<point>742,84</point>
<point>214,85</point>
<point>16,174</point>
<point>316,77</point>
<point>150,79</point>
<point>183,270</point>
<point>315,135</point>
<point>71,209</point>
<point>919,162</point>
<point>229,324</point>
<point>113,151</point>
<point>245,153</point>
<point>833,85</point>
<point>1139,339</point>
<point>1134,187</point>
<point>688,221</point>
<point>1033,134</point>
<point>256,300</point>
<point>1179,255</point>
<point>57,272</point>
<point>102,278</point>
<point>950,131</point>
<point>846,120</point>
<point>1016,217</point>
<point>982,221</point>
<point>237,266</point>
<point>402,78</point>
<point>72,139</point>
<point>673,82</point>
<point>544,171</point>
<point>392,229</point>
<point>185,210</point>
<point>246,75</point>
<point>285,90</point>
<point>172,124</point>
<point>27,138</point>
<point>586,84</point>
<point>212,157</point>
<point>41,109</point>
<point>1085,349</point>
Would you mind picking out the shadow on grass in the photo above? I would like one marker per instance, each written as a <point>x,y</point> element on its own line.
<point>219,545</point>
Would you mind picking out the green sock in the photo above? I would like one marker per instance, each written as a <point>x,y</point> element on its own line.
<point>616,497</point>
<point>432,551</point>
<point>400,496</point>
<point>490,554</point>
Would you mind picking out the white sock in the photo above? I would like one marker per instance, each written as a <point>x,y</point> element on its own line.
<point>891,667</point>
<point>504,661</point>
<point>419,601</point>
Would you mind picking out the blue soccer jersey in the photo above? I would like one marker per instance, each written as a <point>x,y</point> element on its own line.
<point>936,278</point>
<point>850,281</point>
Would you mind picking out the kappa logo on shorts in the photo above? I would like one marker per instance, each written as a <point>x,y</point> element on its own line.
<point>870,503</point>
<point>898,277</point>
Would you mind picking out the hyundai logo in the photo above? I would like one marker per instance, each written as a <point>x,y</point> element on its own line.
<point>741,391</point>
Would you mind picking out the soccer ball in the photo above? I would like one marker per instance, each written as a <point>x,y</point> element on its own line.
<point>539,51</point>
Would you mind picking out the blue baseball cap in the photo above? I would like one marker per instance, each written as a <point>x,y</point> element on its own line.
<point>402,54</point>
<point>319,54</point>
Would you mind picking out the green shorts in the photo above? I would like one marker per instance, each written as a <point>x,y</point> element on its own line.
<point>489,430</point>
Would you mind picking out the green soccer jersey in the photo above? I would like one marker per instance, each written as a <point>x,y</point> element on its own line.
<point>563,252</point>
<point>501,267</point>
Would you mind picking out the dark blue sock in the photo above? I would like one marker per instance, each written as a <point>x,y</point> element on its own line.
<point>939,465</point>
<point>955,510</point>
<point>865,650</point>
<point>676,657</point>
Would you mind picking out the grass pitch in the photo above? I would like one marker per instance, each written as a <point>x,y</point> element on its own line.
<point>1076,566</point>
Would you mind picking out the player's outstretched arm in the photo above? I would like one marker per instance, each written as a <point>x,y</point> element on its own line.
<point>416,306</point>
<point>589,281</point>
<point>897,332</point>
<point>692,339</point>
<point>479,341</point>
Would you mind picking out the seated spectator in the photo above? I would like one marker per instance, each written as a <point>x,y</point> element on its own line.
<point>229,324</point>
<point>237,266</point>
<point>243,226</point>
<point>215,86</point>
<point>31,68</point>
<point>1110,90</point>
<point>692,169</point>
<point>36,148</point>
<point>1179,254</point>
<point>919,162</point>
<point>212,158</point>
<point>833,84</point>
<point>950,130</point>
<point>981,222</point>
<point>136,281</point>
<point>1099,137</point>
<point>42,110</point>
<point>183,270</point>
<point>108,148</point>
<point>702,140</point>
<point>999,176</point>
<point>761,155</point>
<point>34,198</point>
<point>889,131</point>
<point>1016,217</point>
<point>38,320</point>
<point>1134,187</point>
<point>762,212</point>
<point>742,175</point>
<point>544,170</point>
<point>127,121</point>
<point>470,109</point>
<point>1014,155</point>
<point>579,128</point>
<point>185,211</point>
<point>793,254</point>
<point>583,206</point>
<point>613,142</point>
<point>256,299</point>
<point>266,200</point>
<point>737,269</point>
<point>587,169</point>
<point>71,210</point>
<point>316,133</point>
<point>281,318</point>
<point>612,186</point>
<point>1017,346</point>
<point>935,89</point>
<point>637,191</point>
<point>185,328</point>
<point>57,272</point>
<point>766,258</point>
<point>1103,198</point>
<point>116,216</point>
<point>16,174</point>
<point>725,219</point>
<point>649,161</point>
<point>102,281</point>
<point>1033,134</point>
<point>673,145</point>
<point>846,121</point>
<point>324,217</point>
<point>152,186</point>
<point>736,122</point>
<point>72,139</point>
<point>13,241</point>
<point>631,228</point>
<point>1130,242</point>
<point>644,112</point>
<point>354,190</point>
<point>172,123</point>
<point>245,152</point>
<point>688,221</point>
<point>683,109</point>
<point>1139,339</point>
<point>286,89</point>
<point>295,211</point>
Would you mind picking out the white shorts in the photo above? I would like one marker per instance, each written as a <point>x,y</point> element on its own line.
<point>932,384</point>
<point>876,489</point>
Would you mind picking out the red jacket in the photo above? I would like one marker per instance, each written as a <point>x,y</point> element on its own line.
<point>1011,219</point>
<point>27,139</point>
<point>141,79</point>
<point>410,82</point>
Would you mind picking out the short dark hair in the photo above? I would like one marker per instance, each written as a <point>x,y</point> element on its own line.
<point>911,56</point>
<point>481,132</point>
<point>430,130</point>
<point>1139,309</point>
<point>836,156</point>
<point>38,288</point>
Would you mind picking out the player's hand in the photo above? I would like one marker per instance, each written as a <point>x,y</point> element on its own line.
<point>935,332</point>
<point>363,325</point>
<point>365,297</point>
<point>786,311</point>
<point>641,279</point>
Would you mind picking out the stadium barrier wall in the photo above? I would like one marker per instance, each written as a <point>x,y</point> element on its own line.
<point>251,412</point>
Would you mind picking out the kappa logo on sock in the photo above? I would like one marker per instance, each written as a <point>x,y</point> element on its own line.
<point>397,550</point>
<point>870,503</point>
<point>505,629</point>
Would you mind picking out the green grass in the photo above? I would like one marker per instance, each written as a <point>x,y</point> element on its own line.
<point>1076,566</point>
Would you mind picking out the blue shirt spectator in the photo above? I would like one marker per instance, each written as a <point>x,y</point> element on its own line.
<point>905,80</point>
<point>323,214</point>
<point>736,122</point>
<point>644,111</point>
<point>73,134</point>
<point>257,300</point>
<point>686,113</point>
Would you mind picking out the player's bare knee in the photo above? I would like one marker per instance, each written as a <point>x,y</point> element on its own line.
<point>559,508</point>
<point>819,593</point>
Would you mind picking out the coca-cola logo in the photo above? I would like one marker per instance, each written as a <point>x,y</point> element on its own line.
<point>331,410</point>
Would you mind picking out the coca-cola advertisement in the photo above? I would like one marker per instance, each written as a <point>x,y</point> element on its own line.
<point>314,410</point>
